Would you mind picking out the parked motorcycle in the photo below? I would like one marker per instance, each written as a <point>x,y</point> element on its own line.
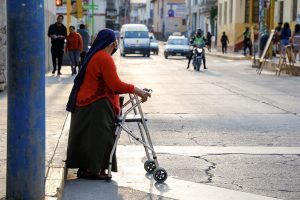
<point>198,57</point>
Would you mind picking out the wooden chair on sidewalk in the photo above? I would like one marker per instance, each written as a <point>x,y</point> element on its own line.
<point>286,61</point>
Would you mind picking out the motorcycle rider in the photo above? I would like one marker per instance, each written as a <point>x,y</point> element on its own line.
<point>197,40</point>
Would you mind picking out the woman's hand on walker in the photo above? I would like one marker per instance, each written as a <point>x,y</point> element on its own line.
<point>142,93</point>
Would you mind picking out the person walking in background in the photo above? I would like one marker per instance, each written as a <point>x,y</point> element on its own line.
<point>73,48</point>
<point>285,36</point>
<point>224,42</point>
<point>295,40</point>
<point>276,39</point>
<point>247,41</point>
<point>94,104</point>
<point>57,32</point>
<point>85,42</point>
<point>208,40</point>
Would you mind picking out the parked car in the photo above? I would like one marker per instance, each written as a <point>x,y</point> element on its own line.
<point>177,46</point>
<point>153,45</point>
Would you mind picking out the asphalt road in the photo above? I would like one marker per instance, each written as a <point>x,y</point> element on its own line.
<point>226,105</point>
<point>226,126</point>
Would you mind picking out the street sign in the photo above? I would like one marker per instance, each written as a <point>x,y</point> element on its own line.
<point>90,7</point>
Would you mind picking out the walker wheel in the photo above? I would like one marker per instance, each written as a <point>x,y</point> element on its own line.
<point>150,166</point>
<point>160,175</point>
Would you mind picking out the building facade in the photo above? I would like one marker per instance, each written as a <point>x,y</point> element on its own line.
<point>50,17</point>
<point>287,11</point>
<point>200,15</point>
<point>3,48</point>
<point>140,13</point>
<point>169,16</point>
<point>234,17</point>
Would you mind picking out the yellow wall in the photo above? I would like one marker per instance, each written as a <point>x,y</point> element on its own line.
<point>234,33</point>
<point>235,30</point>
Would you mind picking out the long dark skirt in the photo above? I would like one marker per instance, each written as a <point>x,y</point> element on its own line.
<point>91,137</point>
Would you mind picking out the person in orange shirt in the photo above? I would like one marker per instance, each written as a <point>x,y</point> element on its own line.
<point>73,48</point>
<point>94,104</point>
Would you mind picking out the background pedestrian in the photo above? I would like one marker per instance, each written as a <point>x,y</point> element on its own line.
<point>296,41</point>
<point>85,42</point>
<point>208,40</point>
<point>276,39</point>
<point>224,42</point>
<point>285,36</point>
<point>73,48</point>
<point>247,41</point>
<point>57,32</point>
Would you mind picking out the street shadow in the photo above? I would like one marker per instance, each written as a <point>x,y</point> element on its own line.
<point>78,189</point>
<point>136,57</point>
<point>3,94</point>
<point>63,79</point>
<point>206,72</point>
<point>176,58</point>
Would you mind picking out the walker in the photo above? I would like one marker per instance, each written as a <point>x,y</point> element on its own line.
<point>133,105</point>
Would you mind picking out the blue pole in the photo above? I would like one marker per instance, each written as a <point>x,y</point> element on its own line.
<point>26,100</point>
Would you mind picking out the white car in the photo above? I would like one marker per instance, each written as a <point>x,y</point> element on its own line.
<point>177,46</point>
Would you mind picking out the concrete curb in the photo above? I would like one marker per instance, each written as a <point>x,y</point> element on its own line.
<point>56,171</point>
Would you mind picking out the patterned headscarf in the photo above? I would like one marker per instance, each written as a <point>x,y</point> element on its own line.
<point>104,38</point>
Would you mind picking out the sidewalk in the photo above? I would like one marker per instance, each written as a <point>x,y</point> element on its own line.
<point>270,65</point>
<point>231,56</point>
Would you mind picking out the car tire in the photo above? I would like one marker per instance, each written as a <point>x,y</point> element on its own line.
<point>166,56</point>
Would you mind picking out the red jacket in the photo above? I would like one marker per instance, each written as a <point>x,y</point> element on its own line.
<point>74,42</point>
<point>101,80</point>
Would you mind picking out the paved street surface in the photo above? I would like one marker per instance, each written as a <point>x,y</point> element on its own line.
<point>223,133</point>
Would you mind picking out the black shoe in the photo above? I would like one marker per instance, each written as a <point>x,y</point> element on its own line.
<point>53,71</point>
<point>205,67</point>
<point>59,73</point>
<point>188,67</point>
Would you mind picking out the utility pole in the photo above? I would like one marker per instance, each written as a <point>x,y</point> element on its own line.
<point>262,24</point>
<point>79,9</point>
<point>25,175</point>
<point>69,9</point>
<point>93,21</point>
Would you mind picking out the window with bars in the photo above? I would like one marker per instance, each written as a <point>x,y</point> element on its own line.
<point>220,13</point>
<point>295,6</point>
<point>230,11</point>
<point>255,11</point>
<point>281,11</point>
<point>225,12</point>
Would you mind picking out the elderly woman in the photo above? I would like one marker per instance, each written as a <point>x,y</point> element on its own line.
<point>94,103</point>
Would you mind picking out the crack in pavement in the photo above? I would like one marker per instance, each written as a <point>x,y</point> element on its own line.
<point>208,170</point>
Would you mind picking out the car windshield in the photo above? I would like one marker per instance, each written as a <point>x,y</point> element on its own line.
<point>136,34</point>
<point>183,41</point>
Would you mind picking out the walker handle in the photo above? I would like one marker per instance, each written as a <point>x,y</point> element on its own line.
<point>148,90</point>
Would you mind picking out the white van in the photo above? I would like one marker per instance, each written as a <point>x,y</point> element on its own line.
<point>134,39</point>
